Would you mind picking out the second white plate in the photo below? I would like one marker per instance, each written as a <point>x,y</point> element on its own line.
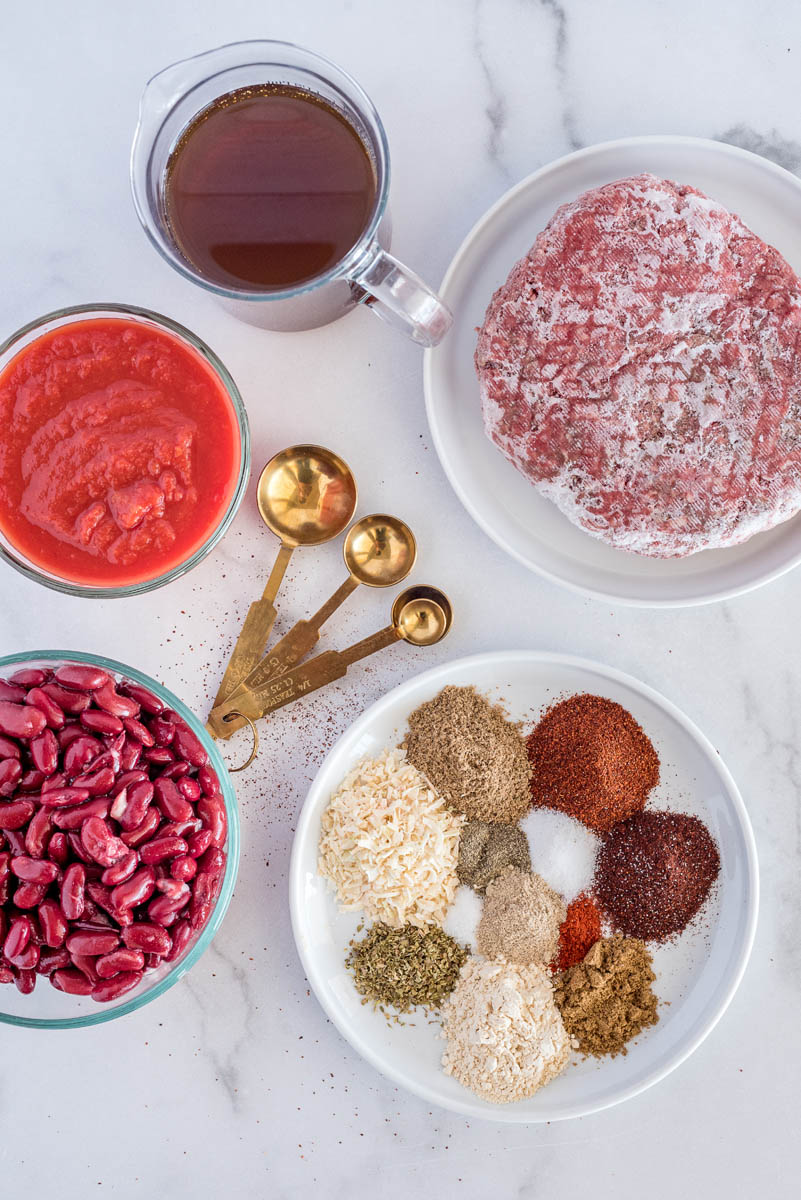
<point>697,974</point>
<point>504,504</point>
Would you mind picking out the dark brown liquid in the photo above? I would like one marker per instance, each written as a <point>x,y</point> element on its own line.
<point>267,188</point>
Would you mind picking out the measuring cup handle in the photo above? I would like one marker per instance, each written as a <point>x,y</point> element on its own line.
<point>399,297</point>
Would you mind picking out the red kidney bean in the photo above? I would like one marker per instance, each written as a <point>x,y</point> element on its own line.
<point>44,752</point>
<point>5,877</point>
<point>20,720</point>
<point>198,843</point>
<point>76,847</point>
<point>37,835</point>
<point>145,831</point>
<point>212,813</point>
<point>52,960</point>
<point>209,782</point>
<point>136,890</point>
<point>181,937</point>
<point>51,782</point>
<point>173,889</point>
<point>86,965</point>
<point>82,678</point>
<point>139,732</point>
<point>121,871</point>
<point>183,868</point>
<point>130,754</point>
<point>127,778</point>
<point>72,981</point>
<point>145,699</point>
<point>16,813</point>
<point>163,911</point>
<point>101,722</point>
<point>112,702</point>
<point>190,790</point>
<point>27,959</point>
<point>203,895</point>
<point>97,782</point>
<point>15,840</point>
<point>109,965</point>
<point>9,749</point>
<point>18,936</point>
<point>52,923</point>
<point>171,802</point>
<point>10,775</point>
<point>62,797</point>
<point>67,701</point>
<point>29,677</point>
<point>92,944</point>
<point>161,848</point>
<point>179,828</point>
<point>34,870</point>
<point>153,939</point>
<point>58,849</point>
<point>80,754</point>
<point>72,891</point>
<point>110,989</point>
<point>159,755</point>
<point>131,813</point>
<point>25,981</point>
<point>189,746</point>
<point>212,862</point>
<point>175,770</point>
<point>100,843</point>
<point>31,781</point>
<point>163,730</point>
<point>70,733</point>
<point>29,895</point>
<point>53,712</point>
<point>12,692</point>
<point>73,818</point>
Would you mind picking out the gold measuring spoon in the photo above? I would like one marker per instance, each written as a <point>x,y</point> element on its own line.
<point>379,551</point>
<point>420,615</point>
<point>306,496</point>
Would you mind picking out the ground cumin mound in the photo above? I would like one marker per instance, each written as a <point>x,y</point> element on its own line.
<point>606,999</point>
<point>471,753</point>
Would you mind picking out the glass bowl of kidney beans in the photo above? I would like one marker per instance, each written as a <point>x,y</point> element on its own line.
<point>119,839</point>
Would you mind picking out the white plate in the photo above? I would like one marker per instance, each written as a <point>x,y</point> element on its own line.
<point>504,504</point>
<point>698,974</point>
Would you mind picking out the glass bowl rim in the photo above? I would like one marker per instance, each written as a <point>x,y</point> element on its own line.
<point>232,844</point>
<point>93,591</point>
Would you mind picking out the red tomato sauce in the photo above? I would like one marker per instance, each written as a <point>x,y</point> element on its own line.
<point>119,451</point>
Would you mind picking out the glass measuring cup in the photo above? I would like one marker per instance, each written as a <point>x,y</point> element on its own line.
<point>366,274</point>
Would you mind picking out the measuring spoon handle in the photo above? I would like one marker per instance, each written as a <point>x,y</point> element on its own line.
<point>295,644</point>
<point>255,633</point>
<point>325,668</point>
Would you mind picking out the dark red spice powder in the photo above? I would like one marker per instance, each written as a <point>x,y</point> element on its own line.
<point>579,931</point>
<point>654,871</point>
<point>591,760</point>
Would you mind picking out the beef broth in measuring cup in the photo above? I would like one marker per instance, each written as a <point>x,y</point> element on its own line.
<point>268,187</point>
<point>261,172</point>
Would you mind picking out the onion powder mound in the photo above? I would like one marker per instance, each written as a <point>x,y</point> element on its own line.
<point>472,754</point>
<point>389,844</point>
<point>505,1037</point>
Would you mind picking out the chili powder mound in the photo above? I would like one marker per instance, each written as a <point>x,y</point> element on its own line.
<point>591,760</point>
<point>654,872</point>
<point>579,931</point>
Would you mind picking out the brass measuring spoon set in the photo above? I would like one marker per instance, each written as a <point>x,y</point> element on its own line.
<point>307,496</point>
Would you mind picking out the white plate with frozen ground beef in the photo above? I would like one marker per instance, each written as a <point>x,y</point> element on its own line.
<point>697,973</point>
<point>500,498</point>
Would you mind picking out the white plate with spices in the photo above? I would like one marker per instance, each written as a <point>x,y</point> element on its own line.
<point>496,495</point>
<point>697,974</point>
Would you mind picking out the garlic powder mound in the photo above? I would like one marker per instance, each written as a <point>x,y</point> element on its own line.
<point>505,1036</point>
<point>389,844</point>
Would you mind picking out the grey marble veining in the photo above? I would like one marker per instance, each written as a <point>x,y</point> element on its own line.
<point>234,1082</point>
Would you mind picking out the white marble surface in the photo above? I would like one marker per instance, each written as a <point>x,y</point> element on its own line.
<point>234,1081</point>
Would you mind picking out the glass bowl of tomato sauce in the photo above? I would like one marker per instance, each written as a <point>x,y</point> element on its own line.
<point>195,769</point>
<point>124,450</point>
